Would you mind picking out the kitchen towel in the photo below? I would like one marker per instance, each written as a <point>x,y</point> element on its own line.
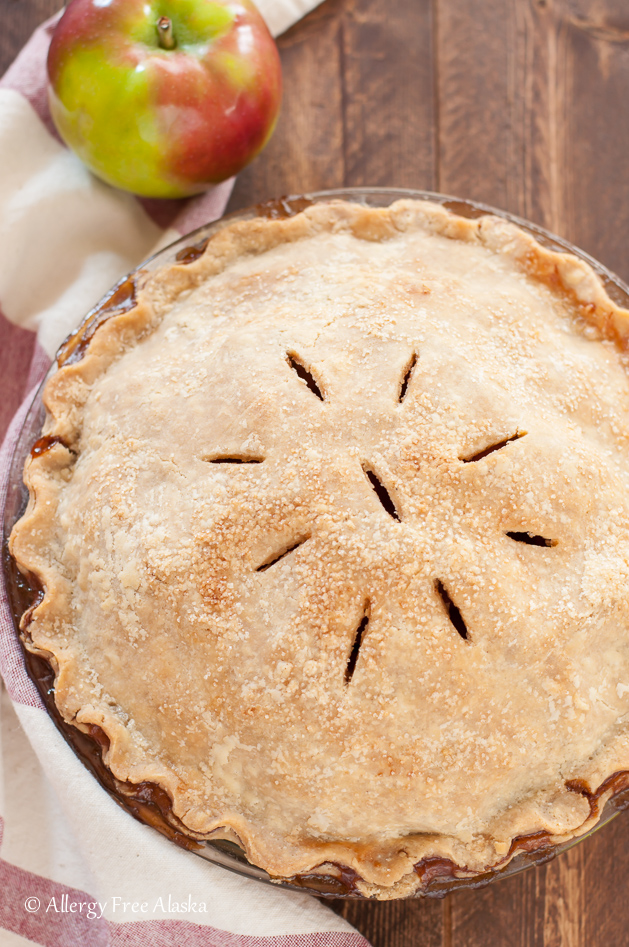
<point>75,869</point>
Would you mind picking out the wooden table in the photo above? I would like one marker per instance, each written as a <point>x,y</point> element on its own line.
<point>523,104</point>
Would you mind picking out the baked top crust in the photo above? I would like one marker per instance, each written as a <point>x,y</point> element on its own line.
<point>333,531</point>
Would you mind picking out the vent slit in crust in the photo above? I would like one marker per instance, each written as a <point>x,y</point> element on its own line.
<point>284,552</point>
<point>407,378</point>
<point>493,447</point>
<point>358,640</point>
<point>233,459</point>
<point>382,493</point>
<point>453,612</point>
<point>300,369</point>
<point>531,540</point>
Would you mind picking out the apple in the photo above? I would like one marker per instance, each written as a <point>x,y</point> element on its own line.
<point>164,97</point>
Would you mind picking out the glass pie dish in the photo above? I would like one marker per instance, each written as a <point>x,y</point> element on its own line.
<point>150,803</point>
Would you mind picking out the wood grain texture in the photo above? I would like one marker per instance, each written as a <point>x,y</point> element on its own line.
<point>532,102</point>
<point>520,103</point>
<point>596,40</point>
<point>401,924</point>
<point>18,19</point>
<point>347,120</point>
<point>389,126</point>
<point>602,886</point>
<point>306,152</point>
<point>502,80</point>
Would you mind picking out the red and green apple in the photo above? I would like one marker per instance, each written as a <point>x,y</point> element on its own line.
<point>164,97</point>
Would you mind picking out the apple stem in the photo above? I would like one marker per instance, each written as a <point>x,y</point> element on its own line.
<point>165,33</point>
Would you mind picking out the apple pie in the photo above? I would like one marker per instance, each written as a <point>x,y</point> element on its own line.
<point>331,521</point>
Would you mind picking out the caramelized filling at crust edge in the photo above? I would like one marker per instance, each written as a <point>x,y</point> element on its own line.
<point>44,444</point>
<point>189,254</point>
<point>278,209</point>
<point>122,299</point>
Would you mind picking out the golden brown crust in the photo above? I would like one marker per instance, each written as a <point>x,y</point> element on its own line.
<point>491,672</point>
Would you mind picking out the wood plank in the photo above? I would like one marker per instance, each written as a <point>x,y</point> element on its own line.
<point>397,923</point>
<point>503,92</point>
<point>388,93</point>
<point>508,913</point>
<point>19,19</point>
<point>565,900</point>
<point>537,100</point>
<point>474,43</point>
<point>602,902</point>
<point>529,98</point>
<point>596,169</point>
